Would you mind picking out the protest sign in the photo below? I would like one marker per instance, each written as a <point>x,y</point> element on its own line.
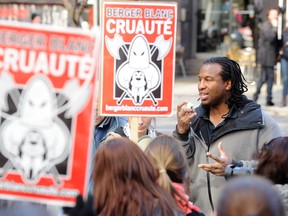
<point>47,82</point>
<point>137,72</point>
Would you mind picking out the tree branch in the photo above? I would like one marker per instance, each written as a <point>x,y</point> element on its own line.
<point>78,12</point>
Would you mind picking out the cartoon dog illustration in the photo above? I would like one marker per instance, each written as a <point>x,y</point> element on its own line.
<point>138,86</point>
<point>138,64</point>
<point>32,154</point>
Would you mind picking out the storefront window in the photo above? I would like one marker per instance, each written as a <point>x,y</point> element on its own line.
<point>225,21</point>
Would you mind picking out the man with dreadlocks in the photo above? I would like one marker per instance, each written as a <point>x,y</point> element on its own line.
<point>225,123</point>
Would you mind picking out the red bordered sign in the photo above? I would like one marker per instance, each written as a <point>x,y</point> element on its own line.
<point>138,41</point>
<point>47,82</point>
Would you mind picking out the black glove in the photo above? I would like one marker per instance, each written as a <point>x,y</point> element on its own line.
<point>83,208</point>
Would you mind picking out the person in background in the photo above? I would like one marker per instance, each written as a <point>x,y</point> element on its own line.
<point>104,125</point>
<point>237,18</point>
<point>249,195</point>
<point>225,115</point>
<point>167,156</point>
<point>127,182</point>
<point>284,67</point>
<point>36,18</point>
<point>268,50</point>
<point>146,132</point>
<point>212,30</point>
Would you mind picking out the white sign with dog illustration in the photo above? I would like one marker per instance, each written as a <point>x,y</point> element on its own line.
<point>138,58</point>
<point>47,82</point>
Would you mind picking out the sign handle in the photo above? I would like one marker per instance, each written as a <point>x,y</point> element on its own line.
<point>134,129</point>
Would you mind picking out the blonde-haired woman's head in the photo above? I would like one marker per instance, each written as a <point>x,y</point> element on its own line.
<point>167,156</point>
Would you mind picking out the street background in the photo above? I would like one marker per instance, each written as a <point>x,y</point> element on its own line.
<point>185,88</point>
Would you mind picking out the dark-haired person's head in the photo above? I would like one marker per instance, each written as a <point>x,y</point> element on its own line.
<point>230,72</point>
<point>36,18</point>
<point>249,195</point>
<point>273,161</point>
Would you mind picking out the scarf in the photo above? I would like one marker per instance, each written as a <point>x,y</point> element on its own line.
<point>183,203</point>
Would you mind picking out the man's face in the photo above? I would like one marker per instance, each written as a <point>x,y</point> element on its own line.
<point>37,19</point>
<point>143,124</point>
<point>212,89</point>
<point>273,14</point>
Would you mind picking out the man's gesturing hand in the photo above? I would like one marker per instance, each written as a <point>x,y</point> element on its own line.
<point>219,167</point>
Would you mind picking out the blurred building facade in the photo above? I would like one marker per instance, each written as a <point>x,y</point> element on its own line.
<point>53,12</point>
<point>208,25</point>
<point>202,25</point>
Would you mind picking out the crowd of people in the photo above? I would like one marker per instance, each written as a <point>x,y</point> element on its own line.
<point>183,173</point>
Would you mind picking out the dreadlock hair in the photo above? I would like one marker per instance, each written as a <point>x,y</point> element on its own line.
<point>231,71</point>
